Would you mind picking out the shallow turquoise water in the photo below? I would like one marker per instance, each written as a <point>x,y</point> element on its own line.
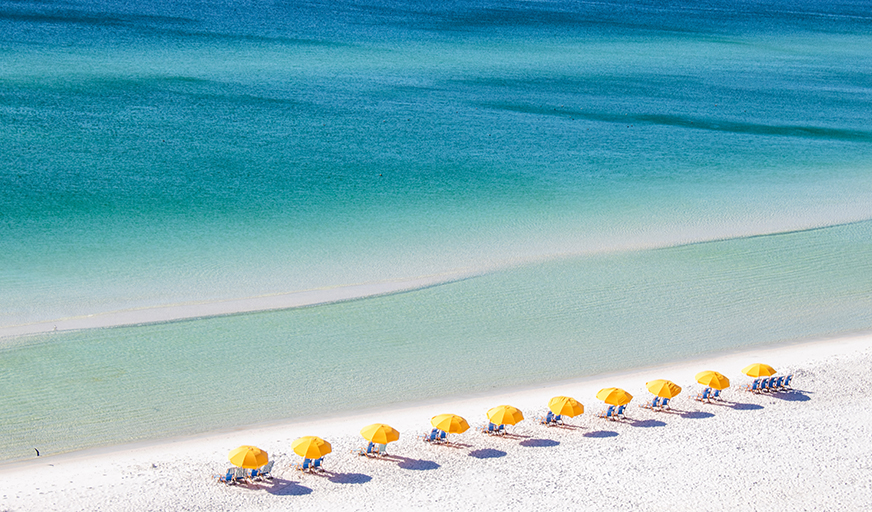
<point>548,321</point>
<point>197,151</point>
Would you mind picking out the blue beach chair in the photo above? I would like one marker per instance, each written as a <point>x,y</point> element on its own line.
<point>313,465</point>
<point>664,404</point>
<point>265,472</point>
<point>305,466</point>
<point>370,450</point>
<point>620,412</point>
<point>229,478</point>
<point>786,383</point>
<point>495,429</point>
<point>608,413</point>
<point>753,387</point>
<point>716,394</point>
<point>432,436</point>
<point>653,404</point>
<point>779,383</point>
<point>704,395</point>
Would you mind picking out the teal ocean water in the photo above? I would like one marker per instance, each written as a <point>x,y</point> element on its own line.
<point>626,182</point>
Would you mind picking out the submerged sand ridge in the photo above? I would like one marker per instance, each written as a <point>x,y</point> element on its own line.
<point>798,450</point>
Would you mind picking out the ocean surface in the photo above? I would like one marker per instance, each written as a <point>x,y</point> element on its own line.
<point>590,186</point>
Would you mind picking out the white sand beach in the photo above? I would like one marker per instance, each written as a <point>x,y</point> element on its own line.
<point>805,449</point>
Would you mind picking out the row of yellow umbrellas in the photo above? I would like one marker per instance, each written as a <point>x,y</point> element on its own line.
<point>668,389</point>
<point>251,457</point>
<point>505,415</point>
<point>560,405</point>
<point>312,447</point>
<point>718,381</point>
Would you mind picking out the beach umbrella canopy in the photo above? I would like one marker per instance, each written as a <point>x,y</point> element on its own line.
<point>504,415</point>
<point>614,396</point>
<point>758,370</point>
<point>248,457</point>
<point>663,388</point>
<point>450,423</point>
<point>379,433</point>
<point>713,380</point>
<point>311,447</point>
<point>565,406</point>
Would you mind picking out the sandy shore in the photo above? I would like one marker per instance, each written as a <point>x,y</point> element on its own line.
<point>808,449</point>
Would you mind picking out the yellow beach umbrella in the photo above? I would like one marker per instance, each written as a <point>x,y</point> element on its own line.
<point>758,370</point>
<point>614,396</point>
<point>565,406</point>
<point>663,388</point>
<point>379,433</point>
<point>713,380</point>
<point>505,415</point>
<point>248,457</point>
<point>450,423</point>
<point>311,447</point>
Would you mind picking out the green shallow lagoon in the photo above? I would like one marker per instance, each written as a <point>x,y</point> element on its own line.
<point>556,320</point>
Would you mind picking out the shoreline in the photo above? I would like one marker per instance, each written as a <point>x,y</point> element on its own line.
<point>625,378</point>
<point>191,461</point>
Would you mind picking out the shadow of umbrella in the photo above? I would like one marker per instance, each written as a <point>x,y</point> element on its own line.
<point>696,415</point>
<point>349,478</point>
<point>791,396</point>
<point>601,433</point>
<point>281,487</point>
<point>487,453</point>
<point>647,423</point>
<point>417,464</point>
<point>746,407</point>
<point>539,443</point>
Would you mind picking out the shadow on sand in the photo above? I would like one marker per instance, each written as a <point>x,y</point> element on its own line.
<point>487,453</point>
<point>696,415</point>
<point>539,443</point>
<point>349,478</point>
<point>791,396</point>
<point>281,487</point>
<point>601,433</point>
<point>417,464</point>
<point>647,423</point>
<point>746,407</point>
